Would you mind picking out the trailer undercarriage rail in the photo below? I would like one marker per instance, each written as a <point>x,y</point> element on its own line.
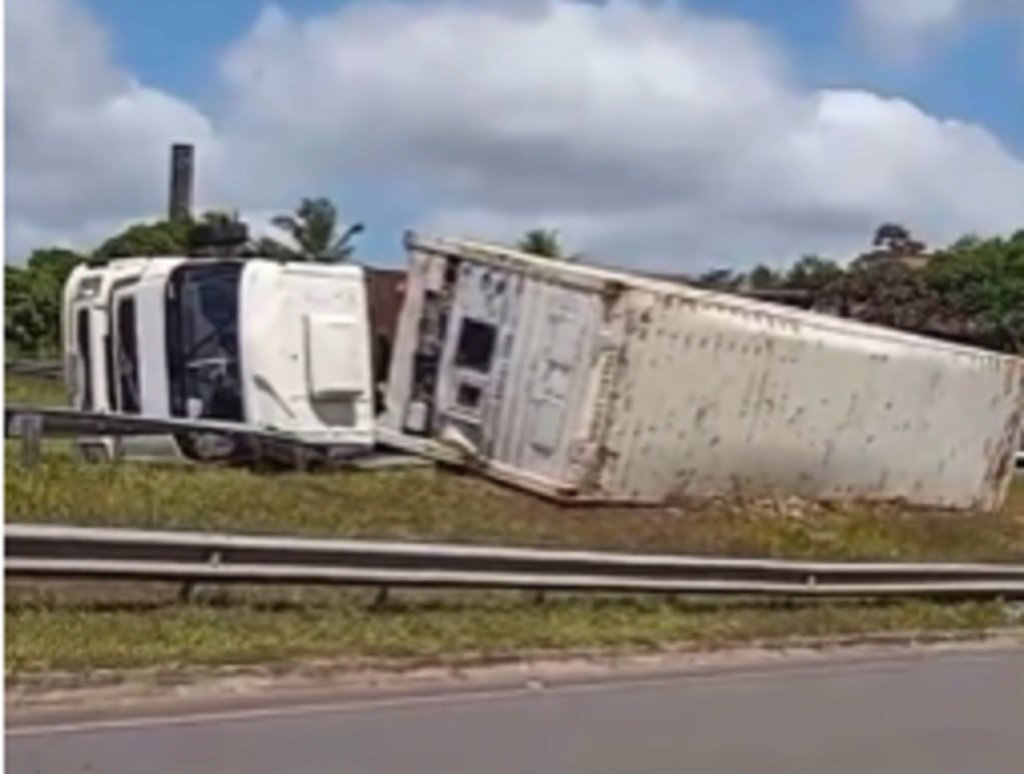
<point>51,551</point>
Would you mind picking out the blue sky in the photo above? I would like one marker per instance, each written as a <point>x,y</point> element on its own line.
<point>175,43</point>
<point>977,75</point>
<point>676,134</point>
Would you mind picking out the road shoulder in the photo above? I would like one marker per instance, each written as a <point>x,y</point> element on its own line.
<point>105,698</point>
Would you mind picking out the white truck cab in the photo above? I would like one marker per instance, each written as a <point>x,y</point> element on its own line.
<point>269,344</point>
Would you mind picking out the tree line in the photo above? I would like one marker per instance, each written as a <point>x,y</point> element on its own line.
<point>971,291</point>
<point>33,293</point>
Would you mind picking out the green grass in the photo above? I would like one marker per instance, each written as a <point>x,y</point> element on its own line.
<point>35,390</point>
<point>78,632</point>
<point>427,504</point>
<point>424,504</point>
<point>91,628</point>
<point>240,628</point>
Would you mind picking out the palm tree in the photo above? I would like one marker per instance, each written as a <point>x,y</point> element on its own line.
<point>545,243</point>
<point>314,227</point>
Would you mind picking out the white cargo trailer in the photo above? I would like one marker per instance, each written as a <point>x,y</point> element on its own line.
<point>586,385</point>
<point>269,344</point>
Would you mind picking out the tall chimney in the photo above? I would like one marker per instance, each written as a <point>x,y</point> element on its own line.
<point>182,165</point>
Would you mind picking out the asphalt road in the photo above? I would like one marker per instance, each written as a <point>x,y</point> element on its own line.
<point>936,714</point>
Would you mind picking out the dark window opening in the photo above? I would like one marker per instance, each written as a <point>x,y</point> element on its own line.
<point>108,367</point>
<point>203,363</point>
<point>381,367</point>
<point>128,358</point>
<point>451,272</point>
<point>85,355</point>
<point>382,357</point>
<point>469,396</point>
<point>475,348</point>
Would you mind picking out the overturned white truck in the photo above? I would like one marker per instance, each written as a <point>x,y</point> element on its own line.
<point>586,385</point>
<point>256,342</point>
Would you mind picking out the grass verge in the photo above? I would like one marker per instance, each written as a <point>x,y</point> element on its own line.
<point>50,631</point>
<point>236,628</point>
<point>34,390</point>
<point>425,504</point>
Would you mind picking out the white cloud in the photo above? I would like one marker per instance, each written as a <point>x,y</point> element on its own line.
<point>647,134</point>
<point>86,144</point>
<point>904,29</point>
<point>911,18</point>
<point>655,134</point>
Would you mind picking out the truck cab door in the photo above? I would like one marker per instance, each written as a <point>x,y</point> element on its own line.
<point>125,367</point>
<point>82,341</point>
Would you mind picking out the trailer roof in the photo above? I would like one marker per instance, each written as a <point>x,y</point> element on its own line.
<point>589,276</point>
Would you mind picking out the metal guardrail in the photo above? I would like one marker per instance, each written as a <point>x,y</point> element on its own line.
<point>124,554</point>
<point>47,369</point>
<point>21,421</point>
<point>69,422</point>
<point>32,423</point>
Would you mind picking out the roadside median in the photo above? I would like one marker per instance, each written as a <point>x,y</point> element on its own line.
<point>84,628</point>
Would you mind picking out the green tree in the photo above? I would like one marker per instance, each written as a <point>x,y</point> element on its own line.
<point>148,239</point>
<point>32,300</point>
<point>545,243</point>
<point>220,234</point>
<point>719,279</point>
<point>982,282</point>
<point>314,227</point>
<point>215,233</point>
<point>24,320</point>
<point>812,273</point>
<point>893,240</point>
<point>763,278</point>
<point>886,293</point>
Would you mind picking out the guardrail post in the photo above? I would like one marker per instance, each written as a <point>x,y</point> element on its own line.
<point>254,447</point>
<point>187,593</point>
<point>31,431</point>
<point>300,459</point>
<point>380,599</point>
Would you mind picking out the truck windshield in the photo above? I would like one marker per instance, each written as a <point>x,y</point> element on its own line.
<point>203,366</point>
